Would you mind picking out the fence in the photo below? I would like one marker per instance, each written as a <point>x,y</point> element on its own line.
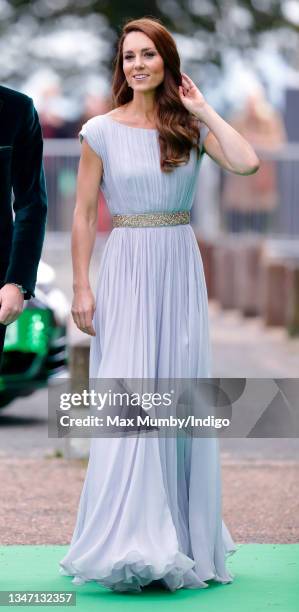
<point>61,163</point>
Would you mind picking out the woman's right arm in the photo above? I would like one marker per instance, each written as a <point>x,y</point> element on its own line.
<point>84,230</point>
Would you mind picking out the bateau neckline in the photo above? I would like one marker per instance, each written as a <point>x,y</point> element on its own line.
<point>131,127</point>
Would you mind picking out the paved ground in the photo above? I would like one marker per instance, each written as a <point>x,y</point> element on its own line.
<point>260,500</point>
<point>246,347</point>
<point>260,476</point>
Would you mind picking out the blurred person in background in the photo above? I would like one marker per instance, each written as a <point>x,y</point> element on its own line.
<point>249,202</point>
<point>58,115</point>
<point>95,104</point>
<point>22,174</point>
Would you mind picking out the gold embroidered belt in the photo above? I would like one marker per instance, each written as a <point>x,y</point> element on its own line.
<point>151,219</point>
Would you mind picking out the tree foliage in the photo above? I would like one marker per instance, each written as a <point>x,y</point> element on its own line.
<point>205,28</point>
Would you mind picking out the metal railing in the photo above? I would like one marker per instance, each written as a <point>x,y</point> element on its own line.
<point>61,164</point>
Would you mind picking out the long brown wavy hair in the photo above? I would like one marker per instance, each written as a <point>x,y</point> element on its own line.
<point>178,129</point>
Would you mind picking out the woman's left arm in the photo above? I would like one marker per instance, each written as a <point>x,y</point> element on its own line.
<point>223,143</point>
<point>226,146</point>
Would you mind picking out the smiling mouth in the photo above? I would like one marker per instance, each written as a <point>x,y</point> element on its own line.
<point>138,77</point>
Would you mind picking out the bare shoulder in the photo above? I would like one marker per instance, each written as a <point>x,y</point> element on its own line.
<point>118,113</point>
<point>123,114</point>
<point>113,112</point>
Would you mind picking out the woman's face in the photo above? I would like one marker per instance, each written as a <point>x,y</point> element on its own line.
<point>140,57</point>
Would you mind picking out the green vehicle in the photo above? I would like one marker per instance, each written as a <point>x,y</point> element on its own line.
<point>35,347</point>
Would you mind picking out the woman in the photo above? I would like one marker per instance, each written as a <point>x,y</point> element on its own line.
<point>150,508</point>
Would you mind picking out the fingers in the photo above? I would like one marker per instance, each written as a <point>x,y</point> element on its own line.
<point>86,329</point>
<point>9,315</point>
<point>187,83</point>
<point>82,317</point>
<point>11,304</point>
<point>87,325</point>
<point>183,90</point>
<point>187,80</point>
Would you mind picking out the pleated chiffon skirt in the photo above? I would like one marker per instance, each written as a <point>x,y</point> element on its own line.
<point>150,507</point>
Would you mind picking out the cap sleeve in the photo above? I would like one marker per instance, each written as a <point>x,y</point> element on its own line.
<point>92,132</point>
<point>204,130</point>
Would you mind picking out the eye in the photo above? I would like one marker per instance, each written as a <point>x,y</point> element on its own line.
<point>147,53</point>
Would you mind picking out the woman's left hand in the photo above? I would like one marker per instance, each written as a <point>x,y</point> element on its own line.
<point>191,97</point>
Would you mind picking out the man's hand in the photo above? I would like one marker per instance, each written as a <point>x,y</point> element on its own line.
<point>11,303</point>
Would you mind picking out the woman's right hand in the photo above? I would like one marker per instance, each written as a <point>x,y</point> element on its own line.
<point>83,308</point>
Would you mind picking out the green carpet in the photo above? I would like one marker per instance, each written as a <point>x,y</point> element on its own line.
<point>266,578</point>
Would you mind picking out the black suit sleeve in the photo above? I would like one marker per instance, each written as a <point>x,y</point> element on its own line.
<point>30,202</point>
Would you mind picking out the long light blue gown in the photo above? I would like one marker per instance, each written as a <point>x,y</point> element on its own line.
<point>150,508</point>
